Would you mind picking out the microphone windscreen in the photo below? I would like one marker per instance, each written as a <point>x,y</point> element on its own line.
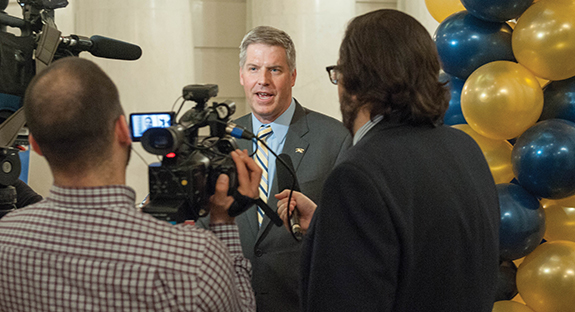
<point>114,49</point>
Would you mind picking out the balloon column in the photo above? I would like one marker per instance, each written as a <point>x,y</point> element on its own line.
<point>497,55</point>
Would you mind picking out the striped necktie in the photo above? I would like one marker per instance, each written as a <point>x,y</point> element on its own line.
<point>262,157</point>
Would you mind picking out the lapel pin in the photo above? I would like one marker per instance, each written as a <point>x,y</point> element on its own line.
<point>299,150</point>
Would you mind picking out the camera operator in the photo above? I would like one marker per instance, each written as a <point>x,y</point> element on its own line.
<point>86,247</point>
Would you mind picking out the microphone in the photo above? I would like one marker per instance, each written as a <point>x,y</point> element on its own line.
<point>288,180</point>
<point>102,47</point>
<point>11,21</point>
<point>238,132</point>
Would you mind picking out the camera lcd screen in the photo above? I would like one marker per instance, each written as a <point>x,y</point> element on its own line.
<point>140,122</point>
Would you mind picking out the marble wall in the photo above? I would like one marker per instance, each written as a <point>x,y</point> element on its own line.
<point>197,41</point>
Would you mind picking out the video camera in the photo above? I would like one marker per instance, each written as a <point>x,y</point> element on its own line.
<point>21,57</point>
<point>41,42</point>
<point>180,186</point>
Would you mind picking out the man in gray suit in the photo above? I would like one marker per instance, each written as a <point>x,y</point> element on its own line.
<point>312,140</point>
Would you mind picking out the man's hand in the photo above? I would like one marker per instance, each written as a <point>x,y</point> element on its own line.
<point>249,175</point>
<point>305,206</point>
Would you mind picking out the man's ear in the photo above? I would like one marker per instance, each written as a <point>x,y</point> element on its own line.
<point>293,76</point>
<point>123,131</point>
<point>34,145</point>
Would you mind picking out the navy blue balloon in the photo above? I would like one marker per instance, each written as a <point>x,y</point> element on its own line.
<point>453,115</point>
<point>543,159</point>
<point>522,223</point>
<point>496,10</point>
<point>559,100</point>
<point>465,43</point>
<point>506,285</point>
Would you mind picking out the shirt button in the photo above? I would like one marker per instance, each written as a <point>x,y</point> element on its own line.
<point>259,253</point>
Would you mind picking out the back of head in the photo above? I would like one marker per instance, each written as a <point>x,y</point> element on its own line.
<point>270,36</point>
<point>71,108</point>
<point>389,61</point>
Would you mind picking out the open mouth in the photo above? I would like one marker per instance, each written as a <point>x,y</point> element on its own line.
<point>264,95</point>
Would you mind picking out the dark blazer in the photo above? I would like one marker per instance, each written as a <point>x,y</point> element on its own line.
<point>408,221</point>
<point>274,253</point>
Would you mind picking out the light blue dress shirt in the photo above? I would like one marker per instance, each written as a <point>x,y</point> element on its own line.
<point>365,128</point>
<point>276,140</point>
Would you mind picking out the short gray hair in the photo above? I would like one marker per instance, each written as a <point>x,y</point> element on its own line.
<point>270,36</point>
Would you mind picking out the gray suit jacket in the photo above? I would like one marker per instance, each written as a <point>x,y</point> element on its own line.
<point>314,142</point>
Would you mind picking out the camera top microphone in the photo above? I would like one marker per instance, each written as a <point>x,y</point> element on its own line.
<point>102,47</point>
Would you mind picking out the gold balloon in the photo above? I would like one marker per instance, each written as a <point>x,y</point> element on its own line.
<point>501,99</point>
<point>543,82</point>
<point>510,306</point>
<point>496,152</point>
<point>563,202</point>
<point>441,9</point>
<point>544,39</point>
<point>559,223</point>
<point>546,278</point>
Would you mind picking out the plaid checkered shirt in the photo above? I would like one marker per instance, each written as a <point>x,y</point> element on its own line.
<point>89,249</point>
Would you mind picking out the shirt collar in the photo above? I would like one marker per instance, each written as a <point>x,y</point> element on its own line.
<point>365,128</point>
<point>93,197</point>
<point>279,126</point>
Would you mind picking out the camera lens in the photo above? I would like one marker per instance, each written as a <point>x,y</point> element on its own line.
<point>161,141</point>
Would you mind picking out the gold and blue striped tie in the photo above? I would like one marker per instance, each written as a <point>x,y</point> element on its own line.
<point>262,157</point>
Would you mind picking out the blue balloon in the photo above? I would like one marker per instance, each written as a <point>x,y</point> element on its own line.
<point>543,159</point>
<point>496,10</point>
<point>506,285</point>
<point>453,115</point>
<point>465,43</point>
<point>522,223</point>
<point>559,100</point>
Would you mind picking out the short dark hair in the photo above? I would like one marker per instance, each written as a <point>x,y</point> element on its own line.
<point>389,61</point>
<point>270,36</point>
<point>71,108</point>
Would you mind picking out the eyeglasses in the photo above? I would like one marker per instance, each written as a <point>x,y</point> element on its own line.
<point>333,73</point>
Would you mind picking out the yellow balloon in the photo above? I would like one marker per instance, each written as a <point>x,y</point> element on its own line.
<point>563,202</point>
<point>543,82</point>
<point>546,278</point>
<point>496,152</point>
<point>560,223</point>
<point>510,306</point>
<point>501,99</point>
<point>544,39</point>
<point>441,9</point>
<point>518,299</point>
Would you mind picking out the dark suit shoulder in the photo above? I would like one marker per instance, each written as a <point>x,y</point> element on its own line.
<point>324,127</point>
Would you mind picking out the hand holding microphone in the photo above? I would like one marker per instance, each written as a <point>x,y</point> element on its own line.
<point>305,208</point>
<point>288,181</point>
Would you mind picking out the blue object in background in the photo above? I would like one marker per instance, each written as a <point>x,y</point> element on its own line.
<point>522,224</point>
<point>8,105</point>
<point>496,10</point>
<point>465,43</point>
<point>543,159</point>
<point>25,163</point>
<point>453,115</point>
<point>559,100</point>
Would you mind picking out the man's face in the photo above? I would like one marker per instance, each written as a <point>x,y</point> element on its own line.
<point>148,123</point>
<point>267,81</point>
